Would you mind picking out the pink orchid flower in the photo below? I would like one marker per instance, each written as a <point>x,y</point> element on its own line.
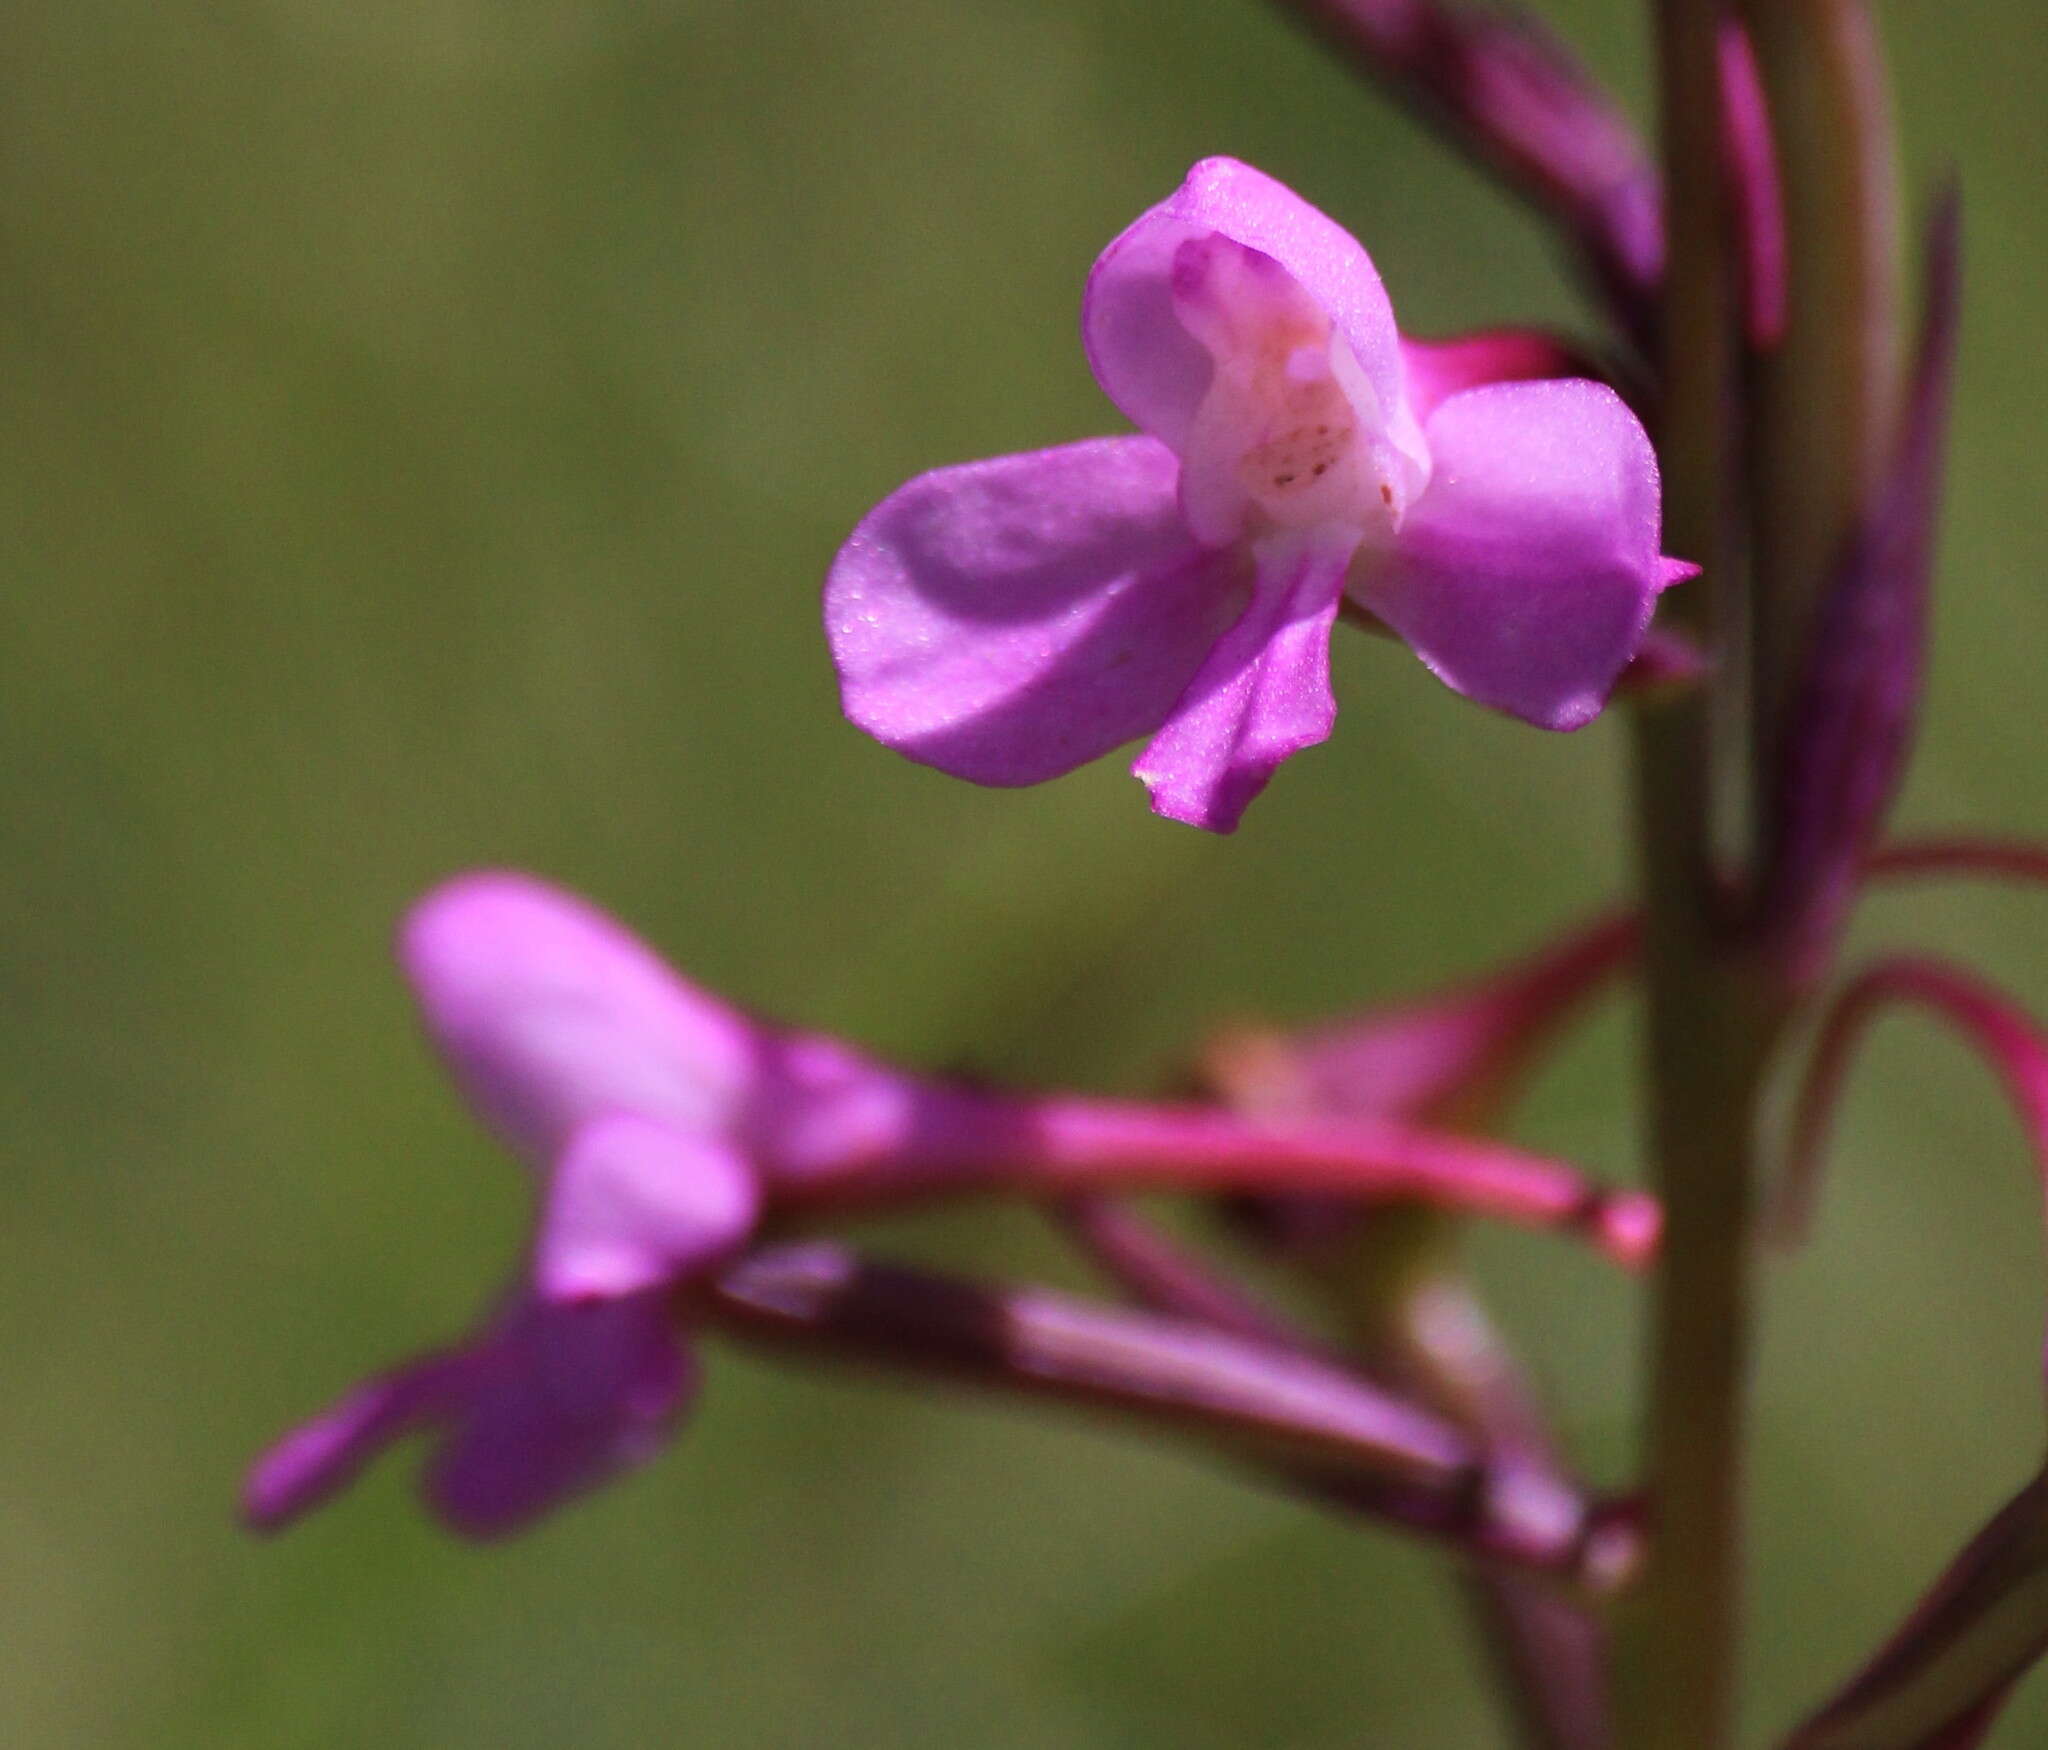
<point>1010,620</point>
<point>663,1127</point>
<point>617,1084</point>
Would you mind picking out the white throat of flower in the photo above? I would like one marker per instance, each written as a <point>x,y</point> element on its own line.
<point>1290,436</point>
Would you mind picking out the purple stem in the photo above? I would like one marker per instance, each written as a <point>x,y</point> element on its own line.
<point>1551,1652</point>
<point>1059,1146</point>
<point>1334,1438</point>
<point>1166,1277</point>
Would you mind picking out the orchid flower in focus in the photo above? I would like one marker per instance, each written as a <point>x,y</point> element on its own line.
<point>1010,620</point>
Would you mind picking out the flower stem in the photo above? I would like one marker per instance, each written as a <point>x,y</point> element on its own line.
<point>1166,1277</point>
<point>1708,1036</point>
<point>1398,1288</point>
<point>1308,1425</point>
<point>1677,1675</point>
<point>1821,399</point>
<point>1066,1145</point>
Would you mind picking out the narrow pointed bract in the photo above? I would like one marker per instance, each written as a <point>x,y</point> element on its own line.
<point>1460,1058</point>
<point>1753,188</point>
<point>1943,1678</point>
<point>1500,86</point>
<point>1456,1058</point>
<point>2009,1040</point>
<point>1857,706</point>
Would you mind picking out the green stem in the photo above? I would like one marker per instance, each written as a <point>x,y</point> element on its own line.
<point>1821,406</point>
<point>1677,1677</point>
<point>1678,1648</point>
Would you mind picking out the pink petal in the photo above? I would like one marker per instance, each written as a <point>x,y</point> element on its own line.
<point>547,1402</point>
<point>1152,368</point>
<point>318,1459</point>
<point>1009,620</point>
<point>1526,574</point>
<point>549,1013</point>
<point>567,1398</point>
<point>635,1205</point>
<point>1263,693</point>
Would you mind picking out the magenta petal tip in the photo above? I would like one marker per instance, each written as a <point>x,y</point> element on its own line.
<point>1629,1226</point>
<point>317,1459</point>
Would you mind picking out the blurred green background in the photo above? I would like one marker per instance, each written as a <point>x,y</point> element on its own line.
<point>425,425</point>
